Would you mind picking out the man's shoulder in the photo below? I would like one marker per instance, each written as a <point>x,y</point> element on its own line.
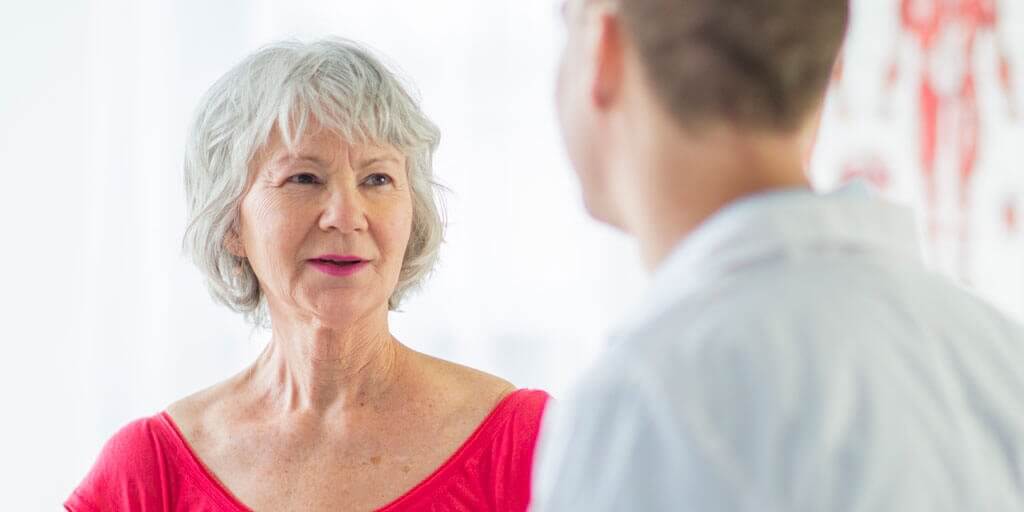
<point>847,296</point>
<point>761,331</point>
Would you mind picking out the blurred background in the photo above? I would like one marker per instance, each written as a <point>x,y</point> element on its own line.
<point>105,320</point>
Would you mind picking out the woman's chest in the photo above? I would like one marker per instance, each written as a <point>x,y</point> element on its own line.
<point>283,473</point>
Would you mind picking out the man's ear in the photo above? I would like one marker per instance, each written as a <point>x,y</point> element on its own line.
<point>807,135</point>
<point>608,44</point>
<point>233,243</point>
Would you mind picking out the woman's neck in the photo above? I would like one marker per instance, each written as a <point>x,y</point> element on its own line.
<point>311,368</point>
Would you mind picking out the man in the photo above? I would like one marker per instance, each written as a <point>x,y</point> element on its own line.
<point>793,354</point>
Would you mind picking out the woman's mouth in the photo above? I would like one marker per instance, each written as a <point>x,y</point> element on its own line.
<point>342,266</point>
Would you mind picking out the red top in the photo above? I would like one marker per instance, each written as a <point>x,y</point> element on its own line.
<point>148,466</point>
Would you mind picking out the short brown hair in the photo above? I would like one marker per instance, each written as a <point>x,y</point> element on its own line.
<point>762,64</point>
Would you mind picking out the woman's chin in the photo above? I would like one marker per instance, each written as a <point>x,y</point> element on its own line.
<point>338,312</point>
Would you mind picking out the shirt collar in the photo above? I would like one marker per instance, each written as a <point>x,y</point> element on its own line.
<point>779,224</point>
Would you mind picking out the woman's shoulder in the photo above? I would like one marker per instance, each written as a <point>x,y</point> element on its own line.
<point>483,395</point>
<point>197,416</point>
<point>499,426</point>
<point>528,405</point>
<point>500,455</point>
<point>147,467</point>
<point>461,385</point>
<point>136,445</point>
<point>518,417</point>
<point>126,467</point>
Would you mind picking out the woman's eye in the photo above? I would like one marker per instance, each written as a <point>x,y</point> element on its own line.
<point>378,180</point>
<point>304,179</point>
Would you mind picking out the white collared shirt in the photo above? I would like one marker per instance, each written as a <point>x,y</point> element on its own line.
<point>793,354</point>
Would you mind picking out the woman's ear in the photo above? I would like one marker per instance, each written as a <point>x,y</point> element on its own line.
<point>233,243</point>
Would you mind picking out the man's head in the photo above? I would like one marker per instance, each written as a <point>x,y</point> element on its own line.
<point>752,66</point>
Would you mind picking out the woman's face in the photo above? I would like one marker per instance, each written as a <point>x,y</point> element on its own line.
<point>325,227</point>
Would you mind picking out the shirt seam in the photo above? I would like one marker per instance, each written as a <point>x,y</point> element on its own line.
<point>84,501</point>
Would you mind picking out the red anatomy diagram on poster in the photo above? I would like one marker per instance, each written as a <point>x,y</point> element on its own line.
<point>1011,220</point>
<point>943,34</point>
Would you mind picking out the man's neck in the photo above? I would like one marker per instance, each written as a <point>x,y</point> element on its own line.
<point>684,181</point>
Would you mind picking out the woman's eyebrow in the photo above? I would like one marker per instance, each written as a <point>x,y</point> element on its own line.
<point>291,158</point>
<point>366,162</point>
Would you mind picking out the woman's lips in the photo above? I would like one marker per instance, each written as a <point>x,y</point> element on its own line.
<point>338,268</point>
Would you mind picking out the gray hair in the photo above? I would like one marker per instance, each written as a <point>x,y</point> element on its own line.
<point>283,85</point>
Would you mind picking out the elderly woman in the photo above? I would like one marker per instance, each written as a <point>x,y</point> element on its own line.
<point>310,192</point>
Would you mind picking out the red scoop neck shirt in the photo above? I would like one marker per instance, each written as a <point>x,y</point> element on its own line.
<point>149,467</point>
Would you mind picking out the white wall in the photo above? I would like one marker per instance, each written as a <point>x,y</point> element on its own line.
<point>104,320</point>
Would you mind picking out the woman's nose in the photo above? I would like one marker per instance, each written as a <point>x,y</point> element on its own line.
<point>344,210</point>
